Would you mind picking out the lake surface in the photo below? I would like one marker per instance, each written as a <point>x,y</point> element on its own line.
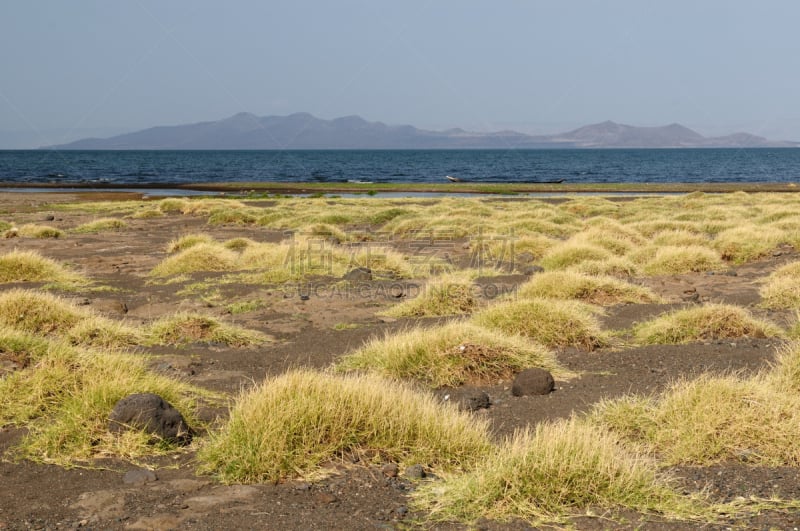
<point>403,166</point>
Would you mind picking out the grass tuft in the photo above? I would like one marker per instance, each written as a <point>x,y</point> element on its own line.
<point>239,244</point>
<point>557,469</point>
<point>183,328</point>
<point>702,323</point>
<point>551,322</point>
<point>30,266</point>
<point>199,257</point>
<point>449,355</point>
<point>32,230</point>
<point>45,314</point>
<point>147,213</point>
<point>290,424</point>
<point>65,395</point>
<point>604,291</point>
<point>782,288</point>
<point>100,225</point>
<point>572,253</point>
<point>674,260</point>
<point>450,294</point>
<point>714,419</point>
<point>188,240</point>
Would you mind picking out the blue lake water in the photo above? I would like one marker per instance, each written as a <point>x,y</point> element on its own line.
<point>410,166</point>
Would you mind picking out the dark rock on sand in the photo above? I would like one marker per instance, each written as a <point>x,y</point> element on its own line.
<point>359,274</point>
<point>151,413</point>
<point>533,381</point>
<point>415,472</point>
<point>468,398</point>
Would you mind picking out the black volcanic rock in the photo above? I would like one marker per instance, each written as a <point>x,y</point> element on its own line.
<point>304,131</point>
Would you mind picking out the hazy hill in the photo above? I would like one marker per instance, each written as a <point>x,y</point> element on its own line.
<point>304,131</point>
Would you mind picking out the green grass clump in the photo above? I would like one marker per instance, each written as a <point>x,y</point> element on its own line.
<point>551,322</point>
<point>558,469</point>
<point>702,323</point>
<point>31,230</point>
<point>100,225</point>
<point>674,260</point>
<point>64,397</point>
<point>30,266</point>
<point>290,424</point>
<point>449,355</point>
<point>188,240</point>
<point>604,291</point>
<point>183,328</point>
<point>199,257</point>
<point>451,294</point>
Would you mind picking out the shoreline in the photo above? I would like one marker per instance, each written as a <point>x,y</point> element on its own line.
<point>438,188</point>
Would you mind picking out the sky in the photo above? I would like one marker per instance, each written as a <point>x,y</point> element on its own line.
<point>83,68</point>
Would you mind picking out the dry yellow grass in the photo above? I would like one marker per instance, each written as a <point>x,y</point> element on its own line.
<point>747,243</point>
<point>31,230</point>
<point>708,322</point>
<point>30,266</point>
<point>291,423</point>
<point>147,213</point>
<point>673,260</point>
<point>450,355</point>
<point>188,240</point>
<point>713,419</point>
<point>64,395</point>
<point>451,294</point>
<point>551,322</point>
<point>617,266</point>
<point>553,471</point>
<point>781,292</point>
<point>100,225</point>
<point>600,290</point>
<point>572,253</point>
<point>183,328</point>
<point>45,314</point>
<point>199,257</point>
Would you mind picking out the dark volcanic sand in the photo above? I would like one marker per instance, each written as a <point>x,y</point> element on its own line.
<point>354,496</point>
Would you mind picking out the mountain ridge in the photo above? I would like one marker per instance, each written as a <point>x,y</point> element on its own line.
<point>302,130</point>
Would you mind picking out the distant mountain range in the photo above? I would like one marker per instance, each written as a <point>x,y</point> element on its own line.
<point>304,131</point>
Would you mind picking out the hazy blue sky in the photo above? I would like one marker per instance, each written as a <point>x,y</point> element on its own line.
<point>72,68</point>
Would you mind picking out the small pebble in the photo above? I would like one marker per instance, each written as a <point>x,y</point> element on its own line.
<point>390,470</point>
